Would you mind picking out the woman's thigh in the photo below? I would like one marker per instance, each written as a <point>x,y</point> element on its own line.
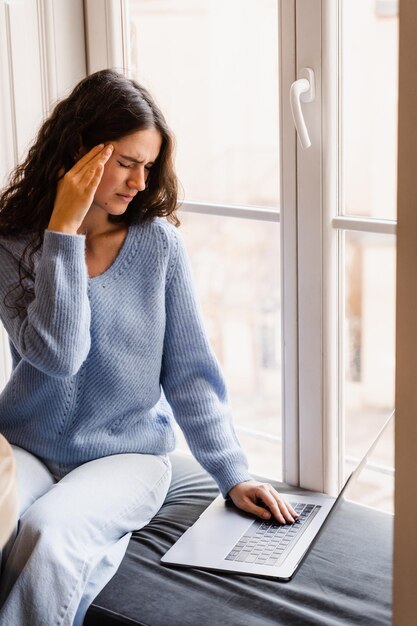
<point>109,496</point>
<point>80,528</point>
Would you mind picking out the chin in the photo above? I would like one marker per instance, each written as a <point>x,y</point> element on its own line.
<point>112,210</point>
<point>117,212</point>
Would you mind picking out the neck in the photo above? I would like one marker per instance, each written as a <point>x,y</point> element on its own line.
<point>96,223</point>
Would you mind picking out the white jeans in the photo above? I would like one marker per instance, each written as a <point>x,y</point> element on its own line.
<point>73,531</point>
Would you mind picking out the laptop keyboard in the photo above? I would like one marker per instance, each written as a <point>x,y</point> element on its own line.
<point>270,542</point>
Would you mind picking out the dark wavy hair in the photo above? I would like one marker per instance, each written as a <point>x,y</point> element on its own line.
<point>103,107</point>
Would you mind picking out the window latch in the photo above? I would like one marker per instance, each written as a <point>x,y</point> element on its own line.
<point>302,90</point>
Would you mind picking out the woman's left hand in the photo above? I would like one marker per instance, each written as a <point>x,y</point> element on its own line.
<point>245,496</point>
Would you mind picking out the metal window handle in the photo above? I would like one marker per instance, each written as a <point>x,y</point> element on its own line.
<point>302,90</point>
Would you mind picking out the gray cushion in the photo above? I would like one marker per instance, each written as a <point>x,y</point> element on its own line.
<point>345,578</point>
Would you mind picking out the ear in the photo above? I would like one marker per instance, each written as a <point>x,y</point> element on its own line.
<point>82,150</point>
<point>79,148</point>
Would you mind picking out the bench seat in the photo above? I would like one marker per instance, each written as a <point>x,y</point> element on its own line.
<point>345,578</point>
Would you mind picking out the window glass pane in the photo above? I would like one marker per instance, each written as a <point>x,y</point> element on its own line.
<point>369,360</point>
<point>236,270</point>
<point>369,87</point>
<point>213,68</point>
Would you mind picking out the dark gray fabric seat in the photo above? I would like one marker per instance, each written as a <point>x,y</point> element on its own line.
<point>345,578</point>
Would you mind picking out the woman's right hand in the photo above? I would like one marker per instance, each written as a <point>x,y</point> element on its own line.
<point>76,190</point>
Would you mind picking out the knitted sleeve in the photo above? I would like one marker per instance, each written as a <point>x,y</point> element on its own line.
<point>194,385</point>
<point>53,333</point>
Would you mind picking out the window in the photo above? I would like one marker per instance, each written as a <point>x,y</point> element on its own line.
<point>220,95</point>
<point>368,105</point>
<point>346,242</point>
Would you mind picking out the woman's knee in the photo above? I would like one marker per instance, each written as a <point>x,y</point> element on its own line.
<point>41,522</point>
<point>33,478</point>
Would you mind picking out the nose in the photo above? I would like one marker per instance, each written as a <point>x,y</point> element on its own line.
<point>137,179</point>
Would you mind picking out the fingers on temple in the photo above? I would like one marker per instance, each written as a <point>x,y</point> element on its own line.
<point>92,176</point>
<point>86,158</point>
<point>97,155</point>
<point>93,171</point>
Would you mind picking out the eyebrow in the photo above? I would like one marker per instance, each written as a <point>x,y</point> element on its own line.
<point>129,158</point>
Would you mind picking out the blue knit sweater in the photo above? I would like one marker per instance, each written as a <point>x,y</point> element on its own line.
<point>102,365</point>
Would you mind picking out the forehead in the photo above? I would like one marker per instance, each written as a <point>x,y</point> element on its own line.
<point>141,145</point>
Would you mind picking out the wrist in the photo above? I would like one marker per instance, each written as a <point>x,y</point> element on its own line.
<point>59,226</point>
<point>240,485</point>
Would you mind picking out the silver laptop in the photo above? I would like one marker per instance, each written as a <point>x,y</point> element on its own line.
<point>225,538</point>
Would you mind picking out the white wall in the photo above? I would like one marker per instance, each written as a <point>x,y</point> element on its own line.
<point>42,56</point>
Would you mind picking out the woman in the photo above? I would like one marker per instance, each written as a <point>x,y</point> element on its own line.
<point>107,347</point>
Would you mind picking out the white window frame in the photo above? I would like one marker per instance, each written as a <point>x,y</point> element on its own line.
<point>320,253</point>
<point>311,231</point>
<point>107,35</point>
<point>319,448</point>
<point>289,271</point>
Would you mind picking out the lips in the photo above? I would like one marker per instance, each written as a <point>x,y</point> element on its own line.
<point>126,196</point>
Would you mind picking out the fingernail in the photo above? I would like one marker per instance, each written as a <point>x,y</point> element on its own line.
<point>108,150</point>
<point>266,515</point>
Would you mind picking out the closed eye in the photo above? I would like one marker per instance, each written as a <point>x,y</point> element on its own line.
<point>132,165</point>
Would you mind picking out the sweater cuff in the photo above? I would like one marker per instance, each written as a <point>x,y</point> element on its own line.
<point>227,481</point>
<point>63,244</point>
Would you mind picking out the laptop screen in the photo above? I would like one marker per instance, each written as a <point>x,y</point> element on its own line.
<point>372,481</point>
